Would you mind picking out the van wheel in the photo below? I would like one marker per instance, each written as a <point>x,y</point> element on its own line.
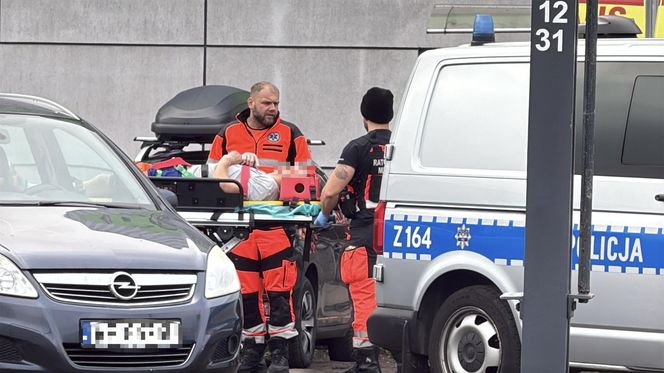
<point>341,348</point>
<point>301,348</point>
<point>474,331</point>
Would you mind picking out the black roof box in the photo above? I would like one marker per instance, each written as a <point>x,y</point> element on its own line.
<point>613,27</point>
<point>197,114</point>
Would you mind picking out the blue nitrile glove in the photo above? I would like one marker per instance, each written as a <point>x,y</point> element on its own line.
<point>323,220</point>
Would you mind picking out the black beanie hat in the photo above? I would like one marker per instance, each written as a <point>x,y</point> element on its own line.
<point>377,105</point>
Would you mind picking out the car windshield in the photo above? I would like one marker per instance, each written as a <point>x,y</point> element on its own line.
<point>48,161</point>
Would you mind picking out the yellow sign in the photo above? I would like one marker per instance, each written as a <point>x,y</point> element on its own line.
<point>634,9</point>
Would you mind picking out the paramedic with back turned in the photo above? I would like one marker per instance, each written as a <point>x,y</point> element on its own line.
<point>360,170</point>
<point>265,260</point>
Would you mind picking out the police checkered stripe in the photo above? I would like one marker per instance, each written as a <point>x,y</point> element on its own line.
<point>624,229</point>
<point>519,263</point>
<point>409,256</point>
<point>626,269</point>
<point>489,222</point>
<point>516,223</point>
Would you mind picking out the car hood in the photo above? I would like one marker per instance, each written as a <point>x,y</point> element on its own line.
<point>56,237</point>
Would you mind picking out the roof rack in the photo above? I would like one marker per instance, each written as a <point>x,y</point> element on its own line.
<point>613,27</point>
<point>459,19</point>
<point>515,18</point>
<point>35,105</point>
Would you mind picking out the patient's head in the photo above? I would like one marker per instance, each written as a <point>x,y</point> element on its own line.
<point>288,171</point>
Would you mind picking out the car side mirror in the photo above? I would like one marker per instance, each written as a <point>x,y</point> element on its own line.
<point>169,196</point>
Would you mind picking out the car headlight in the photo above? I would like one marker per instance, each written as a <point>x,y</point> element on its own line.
<point>220,276</point>
<point>13,281</point>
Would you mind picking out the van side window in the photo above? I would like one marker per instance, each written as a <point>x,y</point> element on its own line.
<point>478,118</point>
<point>644,135</point>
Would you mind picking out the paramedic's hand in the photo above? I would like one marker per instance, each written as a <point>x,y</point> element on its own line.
<point>231,158</point>
<point>250,159</point>
<point>323,220</point>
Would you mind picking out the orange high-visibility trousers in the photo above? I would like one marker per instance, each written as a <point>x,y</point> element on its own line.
<point>264,263</point>
<point>356,266</point>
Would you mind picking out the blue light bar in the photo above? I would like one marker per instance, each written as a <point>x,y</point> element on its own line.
<point>483,30</point>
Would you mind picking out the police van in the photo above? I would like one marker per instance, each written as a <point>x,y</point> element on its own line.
<point>450,227</point>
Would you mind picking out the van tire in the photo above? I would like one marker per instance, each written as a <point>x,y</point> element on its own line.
<point>474,321</point>
<point>301,348</point>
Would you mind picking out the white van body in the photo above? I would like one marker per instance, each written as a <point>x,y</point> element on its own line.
<point>454,192</point>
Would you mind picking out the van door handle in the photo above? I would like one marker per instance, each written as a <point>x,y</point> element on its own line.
<point>389,152</point>
<point>659,197</point>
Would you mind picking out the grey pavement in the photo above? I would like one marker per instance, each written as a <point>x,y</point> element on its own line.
<point>322,364</point>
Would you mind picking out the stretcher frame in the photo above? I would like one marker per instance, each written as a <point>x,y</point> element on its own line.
<point>203,204</point>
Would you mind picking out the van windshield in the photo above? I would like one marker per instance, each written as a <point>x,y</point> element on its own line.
<point>49,161</point>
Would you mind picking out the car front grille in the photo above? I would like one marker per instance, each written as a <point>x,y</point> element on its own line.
<point>118,288</point>
<point>221,351</point>
<point>226,348</point>
<point>9,353</point>
<point>108,358</point>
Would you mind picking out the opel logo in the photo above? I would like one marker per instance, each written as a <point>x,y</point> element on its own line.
<point>123,286</point>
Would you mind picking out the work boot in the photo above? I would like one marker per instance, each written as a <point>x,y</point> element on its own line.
<point>278,354</point>
<point>251,357</point>
<point>366,360</point>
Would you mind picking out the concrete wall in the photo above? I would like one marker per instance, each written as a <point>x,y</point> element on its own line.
<point>115,62</point>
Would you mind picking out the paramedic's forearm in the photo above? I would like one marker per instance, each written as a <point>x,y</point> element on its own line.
<point>221,172</point>
<point>328,201</point>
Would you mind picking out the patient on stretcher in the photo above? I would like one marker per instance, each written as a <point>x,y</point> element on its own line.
<point>286,183</point>
<point>260,186</point>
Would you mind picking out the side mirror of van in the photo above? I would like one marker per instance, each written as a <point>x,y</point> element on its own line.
<point>169,196</point>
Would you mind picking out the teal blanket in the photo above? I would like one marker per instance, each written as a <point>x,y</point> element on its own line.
<point>283,211</point>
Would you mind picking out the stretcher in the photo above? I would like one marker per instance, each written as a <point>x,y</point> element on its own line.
<point>227,218</point>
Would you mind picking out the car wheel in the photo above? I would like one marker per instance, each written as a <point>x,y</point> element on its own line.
<point>301,348</point>
<point>341,349</point>
<point>474,331</point>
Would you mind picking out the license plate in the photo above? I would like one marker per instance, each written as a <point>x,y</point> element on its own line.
<point>130,334</point>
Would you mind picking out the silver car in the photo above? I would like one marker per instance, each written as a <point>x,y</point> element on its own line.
<point>97,271</point>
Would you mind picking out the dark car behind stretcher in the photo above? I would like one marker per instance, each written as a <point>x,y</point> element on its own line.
<point>97,271</point>
<point>185,127</point>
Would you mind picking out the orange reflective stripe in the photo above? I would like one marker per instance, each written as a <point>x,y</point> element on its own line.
<point>254,334</point>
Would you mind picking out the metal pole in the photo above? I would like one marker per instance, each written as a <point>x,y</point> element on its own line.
<point>651,17</point>
<point>590,71</point>
<point>546,307</point>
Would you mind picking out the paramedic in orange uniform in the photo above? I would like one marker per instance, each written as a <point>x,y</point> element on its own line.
<point>265,260</point>
<point>361,168</point>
